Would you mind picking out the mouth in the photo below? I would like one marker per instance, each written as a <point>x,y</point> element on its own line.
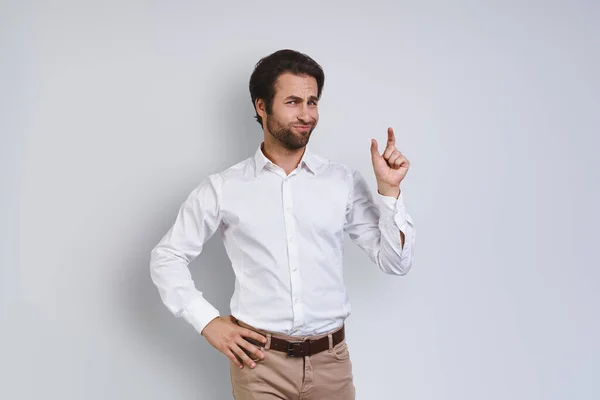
<point>303,128</point>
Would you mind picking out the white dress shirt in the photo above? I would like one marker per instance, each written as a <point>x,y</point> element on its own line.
<point>284,235</point>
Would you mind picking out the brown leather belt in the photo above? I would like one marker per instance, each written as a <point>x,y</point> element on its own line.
<point>303,348</point>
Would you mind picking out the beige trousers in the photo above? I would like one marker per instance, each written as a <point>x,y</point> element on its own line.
<point>323,376</point>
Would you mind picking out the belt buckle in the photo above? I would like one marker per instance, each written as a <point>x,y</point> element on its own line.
<point>290,348</point>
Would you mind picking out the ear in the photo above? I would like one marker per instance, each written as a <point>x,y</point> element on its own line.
<point>259,104</point>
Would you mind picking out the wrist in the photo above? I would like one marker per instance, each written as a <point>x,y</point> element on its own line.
<point>388,190</point>
<point>208,324</point>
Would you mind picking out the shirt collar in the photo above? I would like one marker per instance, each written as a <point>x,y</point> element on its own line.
<point>308,159</point>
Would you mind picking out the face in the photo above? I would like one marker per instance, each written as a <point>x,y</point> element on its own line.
<point>294,113</point>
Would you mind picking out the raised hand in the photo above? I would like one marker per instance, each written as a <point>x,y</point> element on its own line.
<point>390,167</point>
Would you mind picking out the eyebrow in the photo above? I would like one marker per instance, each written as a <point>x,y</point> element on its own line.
<point>311,98</point>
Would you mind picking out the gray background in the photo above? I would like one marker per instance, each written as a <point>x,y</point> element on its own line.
<point>113,111</point>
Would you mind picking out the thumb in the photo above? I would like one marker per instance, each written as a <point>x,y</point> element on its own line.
<point>374,150</point>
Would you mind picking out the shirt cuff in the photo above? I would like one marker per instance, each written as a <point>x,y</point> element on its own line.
<point>392,209</point>
<point>199,313</point>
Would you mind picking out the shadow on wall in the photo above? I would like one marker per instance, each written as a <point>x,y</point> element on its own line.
<point>179,345</point>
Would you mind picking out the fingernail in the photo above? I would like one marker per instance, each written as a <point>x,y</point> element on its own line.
<point>253,365</point>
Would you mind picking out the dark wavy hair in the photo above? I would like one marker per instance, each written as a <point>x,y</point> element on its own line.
<point>268,69</point>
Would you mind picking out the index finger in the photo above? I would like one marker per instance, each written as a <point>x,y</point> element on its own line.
<point>254,335</point>
<point>391,137</point>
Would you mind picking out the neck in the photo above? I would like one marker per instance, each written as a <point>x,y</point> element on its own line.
<point>281,156</point>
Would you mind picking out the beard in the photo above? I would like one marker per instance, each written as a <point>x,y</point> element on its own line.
<point>285,134</point>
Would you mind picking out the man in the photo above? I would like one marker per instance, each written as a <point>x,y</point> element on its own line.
<point>282,214</point>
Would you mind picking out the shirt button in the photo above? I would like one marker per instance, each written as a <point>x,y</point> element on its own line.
<point>294,269</point>
<point>296,301</point>
<point>291,239</point>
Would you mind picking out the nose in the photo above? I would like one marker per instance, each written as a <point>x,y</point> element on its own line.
<point>304,116</point>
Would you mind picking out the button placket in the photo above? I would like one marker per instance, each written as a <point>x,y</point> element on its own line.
<point>295,282</point>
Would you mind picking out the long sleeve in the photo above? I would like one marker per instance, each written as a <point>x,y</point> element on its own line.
<point>375,225</point>
<point>197,220</point>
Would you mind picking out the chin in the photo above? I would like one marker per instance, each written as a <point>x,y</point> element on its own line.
<point>297,145</point>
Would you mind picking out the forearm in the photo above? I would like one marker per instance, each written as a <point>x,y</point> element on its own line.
<point>170,273</point>
<point>397,234</point>
<point>391,191</point>
<point>395,256</point>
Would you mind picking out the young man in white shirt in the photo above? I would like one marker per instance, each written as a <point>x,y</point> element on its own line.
<point>282,214</point>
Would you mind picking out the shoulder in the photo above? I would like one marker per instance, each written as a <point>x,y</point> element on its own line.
<point>241,170</point>
<point>332,168</point>
<point>215,181</point>
<point>341,172</point>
